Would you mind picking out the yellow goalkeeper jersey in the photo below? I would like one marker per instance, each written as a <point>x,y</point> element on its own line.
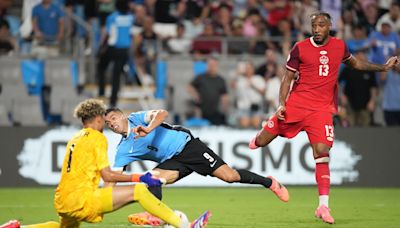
<point>86,155</point>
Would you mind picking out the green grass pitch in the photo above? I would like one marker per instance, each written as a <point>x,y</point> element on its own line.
<point>231,207</point>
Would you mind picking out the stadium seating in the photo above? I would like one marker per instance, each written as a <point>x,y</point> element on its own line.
<point>63,80</point>
<point>23,108</point>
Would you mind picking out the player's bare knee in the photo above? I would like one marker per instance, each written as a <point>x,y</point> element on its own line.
<point>320,150</point>
<point>169,175</point>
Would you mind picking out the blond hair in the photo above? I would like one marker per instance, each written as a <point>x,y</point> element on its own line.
<point>89,109</point>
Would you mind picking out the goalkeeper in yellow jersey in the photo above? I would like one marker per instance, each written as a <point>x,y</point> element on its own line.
<point>78,197</point>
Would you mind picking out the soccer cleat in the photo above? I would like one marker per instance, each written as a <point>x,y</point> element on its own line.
<point>279,190</point>
<point>201,221</point>
<point>11,224</point>
<point>145,218</point>
<point>324,213</point>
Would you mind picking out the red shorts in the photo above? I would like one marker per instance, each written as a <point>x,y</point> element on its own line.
<point>317,124</point>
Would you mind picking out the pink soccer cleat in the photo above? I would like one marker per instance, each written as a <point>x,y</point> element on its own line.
<point>279,189</point>
<point>11,224</point>
<point>201,221</point>
<point>324,213</point>
<point>145,218</point>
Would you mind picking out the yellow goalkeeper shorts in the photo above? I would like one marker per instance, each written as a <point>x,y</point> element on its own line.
<point>96,204</point>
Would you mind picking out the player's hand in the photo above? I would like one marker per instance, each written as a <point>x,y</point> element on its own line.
<point>140,131</point>
<point>391,62</point>
<point>280,112</point>
<point>151,180</point>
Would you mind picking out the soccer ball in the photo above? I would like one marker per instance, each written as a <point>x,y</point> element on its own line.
<point>181,215</point>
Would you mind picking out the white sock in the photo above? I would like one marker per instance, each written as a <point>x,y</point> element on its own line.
<point>324,200</point>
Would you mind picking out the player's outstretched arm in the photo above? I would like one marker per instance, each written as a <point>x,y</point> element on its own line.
<point>148,178</point>
<point>367,66</point>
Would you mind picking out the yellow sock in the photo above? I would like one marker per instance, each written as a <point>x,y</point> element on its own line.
<point>154,206</point>
<point>43,225</point>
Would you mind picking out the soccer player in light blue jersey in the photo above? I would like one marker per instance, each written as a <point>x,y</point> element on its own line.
<point>145,136</point>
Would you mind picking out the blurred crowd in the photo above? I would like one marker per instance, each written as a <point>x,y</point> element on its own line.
<point>204,28</point>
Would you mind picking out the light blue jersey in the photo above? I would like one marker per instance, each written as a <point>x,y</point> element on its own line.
<point>159,145</point>
<point>118,27</point>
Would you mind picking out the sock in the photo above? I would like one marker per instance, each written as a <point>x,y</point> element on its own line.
<point>324,200</point>
<point>322,175</point>
<point>157,191</point>
<point>43,225</point>
<point>154,206</point>
<point>252,178</point>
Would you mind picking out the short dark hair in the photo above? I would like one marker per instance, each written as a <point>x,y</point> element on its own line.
<point>112,110</point>
<point>323,14</point>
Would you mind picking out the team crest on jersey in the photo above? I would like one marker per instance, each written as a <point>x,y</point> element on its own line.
<point>324,60</point>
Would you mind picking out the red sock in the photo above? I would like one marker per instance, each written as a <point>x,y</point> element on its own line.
<point>322,174</point>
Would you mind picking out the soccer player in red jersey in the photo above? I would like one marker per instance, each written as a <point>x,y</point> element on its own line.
<point>313,66</point>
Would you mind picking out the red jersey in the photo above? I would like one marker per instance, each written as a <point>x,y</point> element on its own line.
<point>318,68</point>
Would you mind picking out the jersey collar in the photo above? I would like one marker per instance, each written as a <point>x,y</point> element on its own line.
<point>316,45</point>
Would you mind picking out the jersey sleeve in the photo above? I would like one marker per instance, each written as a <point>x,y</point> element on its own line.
<point>139,118</point>
<point>346,54</point>
<point>101,153</point>
<point>293,60</point>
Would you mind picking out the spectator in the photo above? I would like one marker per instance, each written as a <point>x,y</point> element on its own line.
<point>346,25</point>
<point>249,90</point>
<point>140,15</point>
<point>236,43</point>
<point>7,42</point>
<point>391,98</point>
<point>359,39</point>
<point>268,68</point>
<point>384,43</point>
<point>209,92</point>
<point>207,42</point>
<point>222,21</point>
<point>13,22</point>
<point>26,29</point>
<point>359,93</point>
<point>278,10</point>
<point>146,47</point>
<point>193,27</point>
<point>116,48</point>
<point>368,15</point>
<point>302,17</point>
<point>179,44</point>
<point>169,11</point>
<point>333,8</point>
<point>48,28</point>
<point>197,9</point>
<point>251,22</point>
<point>392,16</point>
<point>272,90</point>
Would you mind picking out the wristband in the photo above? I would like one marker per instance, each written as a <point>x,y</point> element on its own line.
<point>136,177</point>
